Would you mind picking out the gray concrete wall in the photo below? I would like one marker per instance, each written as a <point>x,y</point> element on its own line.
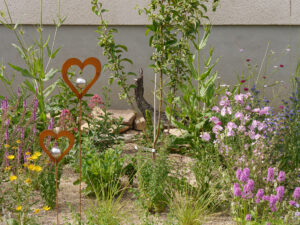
<point>81,42</point>
<point>123,12</point>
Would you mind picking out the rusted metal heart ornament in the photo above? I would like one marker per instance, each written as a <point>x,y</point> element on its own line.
<point>76,62</point>
<point>47,133</point>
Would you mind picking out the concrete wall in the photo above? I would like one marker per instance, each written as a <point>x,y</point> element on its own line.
<point>81,42</point>
<point>122,12</point>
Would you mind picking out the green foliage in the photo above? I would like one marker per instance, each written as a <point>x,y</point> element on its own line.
<point>36,72</point>
<point>152,181</point>
<point>47,184</point>
<point>102,172</point>
<point>114,53</point>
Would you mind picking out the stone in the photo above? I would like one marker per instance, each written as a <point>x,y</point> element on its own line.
<point>127,115</point>
<point>176,132</point>
<point>139,123</point>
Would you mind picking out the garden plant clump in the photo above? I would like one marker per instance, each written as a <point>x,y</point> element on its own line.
<point>237,152</point>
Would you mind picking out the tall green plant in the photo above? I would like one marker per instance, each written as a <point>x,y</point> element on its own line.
<point>37,70</point>
<point>114,53</point>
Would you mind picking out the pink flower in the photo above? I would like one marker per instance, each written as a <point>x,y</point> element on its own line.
<point>248,107</point>
<point>230,133</point>
<point>239,99</point>
<point>264,111</point>
<point>241,128</point>
<point>281,65</point>
<point>215,120</point>
<point>224,101</point>
<point>251,135</point>
<point>228,93</point>
<point>231,125</point>
<point>216,109</point>
<point>239,115</point>
<point>223,111</point>
<point>217,128</point>
<point>75,129</point>
<point>281,107</point>
<point>229,110</point>
<point>236,190</point>
<point>205,136</point>
<point>270,174</point>
<point>248,217</point>
<point>96,100</point>
<point>256,110</point>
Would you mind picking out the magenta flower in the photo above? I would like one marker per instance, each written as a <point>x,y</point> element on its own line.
<point>280,192</point>
<point>250,185</point>
<point>238,174</point>
<point>246,89</point>
<point>292,203</point>
<point>205,136</point>
<point>272,202</point>
<point>243,81</point>
<point>296,194</point>
<point>236,190</point>
<point>281,176</point>
<point>266,198</point>
<point>248,60</point>
<point>281,107</point>
<point>259,195</point>
<point>248,217</point>
<point>281,65</point>
<point>245,175</point>
<point>270,174</point>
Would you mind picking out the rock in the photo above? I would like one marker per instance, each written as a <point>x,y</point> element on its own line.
<point>127,115</point>
<point>176,132</point>
<point>123,128</point>
<point>130,136</point>
<point>139,123</point>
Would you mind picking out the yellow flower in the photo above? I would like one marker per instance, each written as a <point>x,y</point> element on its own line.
<point>37,168</point>
<point>27,153</point>
<point>20,170</point>
<point>19,208</point>
<point>7,168</point>
<point>15,148</point>
<point>6,145</point>
<point>46,208</point>
<point>28,181</point>
<point>25,164</point>
<point>36,211</point>
<point>12,177</point>
<point>37,154</point>
<point>10,157</point>
<point>31,167</point>
<point>33,157</point>
<point>18,142</point>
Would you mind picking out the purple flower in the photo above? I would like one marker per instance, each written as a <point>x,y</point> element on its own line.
<point>292,203</point>
<point>224,101</point>
<point>272,202</point>
<point>296,194</point>
<point>270,174</point>
<point>205,136</point>
<point>250,185</point>
<point>264,111</point>
<point>24,104</point>
<point>266,198</point>
<point>238,174</point>
<point>260,193</point>
<point>280,192</point>
<point>236,190</point>
<point>245,175</point>
<point>248,217</point>
<point>281,176</point>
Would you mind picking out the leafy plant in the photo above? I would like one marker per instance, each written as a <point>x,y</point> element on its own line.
<point>36,72</point>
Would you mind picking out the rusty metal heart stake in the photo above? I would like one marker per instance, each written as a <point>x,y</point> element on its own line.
<point>76,62</point>
<point>55,155</point>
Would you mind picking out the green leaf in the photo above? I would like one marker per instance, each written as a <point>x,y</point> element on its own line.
<point>24,72</point>
<point>29,85</point>
<point>127,60</point>
<point>52,56</point>
<point>204,40</point>
<point>123,47</point>
<point>50,74</point>
<point>21,52</point>
<point>50,89</point>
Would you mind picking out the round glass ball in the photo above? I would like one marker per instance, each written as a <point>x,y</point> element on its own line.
<point>55,152</point>
<point>80,82</point>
